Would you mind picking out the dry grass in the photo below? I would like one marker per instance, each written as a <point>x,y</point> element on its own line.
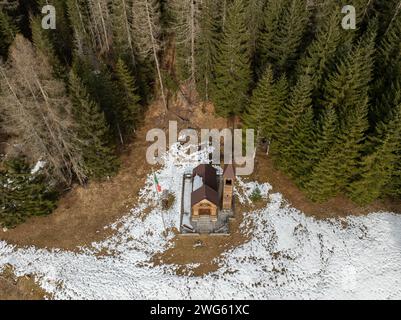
<point>339,206</point>
<point>83,212</point>
<point>19,288</point>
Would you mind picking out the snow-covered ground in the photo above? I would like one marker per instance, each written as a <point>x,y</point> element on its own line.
<point>288,255</point>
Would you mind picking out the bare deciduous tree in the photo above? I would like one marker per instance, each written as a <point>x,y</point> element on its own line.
<point>37,111</point>
<point>146,34</point>
<point>186,29</point>
<point>100,24</point>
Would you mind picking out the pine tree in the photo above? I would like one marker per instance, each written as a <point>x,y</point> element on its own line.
<point>8,32</point>
<point>300,101</point>
<point>387,85</point>
<point>61,38</point>
<point>254,18</point>
<point>321,53</point>
<point>273,15</point>
<point>286,24</point>
<point>122,27</point>
<point>43,43</point>
<point>380,173</point>
<point>186,27</point>
<point>299,153</point>
<point>78,15</point>
<point>147,36</point>
<point>206,49</point>
<point>93,133</point>
<point>233,74</point>
<point>130,114</point>
<point>339,168</point>
<point>267,101</point>
<point>104,91</point>
<point>23,194</point>
<point>348,86</point>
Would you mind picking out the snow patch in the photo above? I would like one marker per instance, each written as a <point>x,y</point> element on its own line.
<point>38,166</point>
<point>288,255</point>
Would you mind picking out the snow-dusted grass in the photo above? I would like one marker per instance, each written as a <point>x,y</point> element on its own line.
<point>288,255</point>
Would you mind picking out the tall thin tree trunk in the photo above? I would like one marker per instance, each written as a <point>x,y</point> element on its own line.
<point>155,54</point>
<point>397,9</point>
<point>128,29</point>
<point>119,133</point>
<point>93,27</point>
<point>224,14</point>
<point>22,109</point>
<point>193,67</point>
<point>104,27</point>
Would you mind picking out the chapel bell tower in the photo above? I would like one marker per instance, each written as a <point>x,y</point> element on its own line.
<point>228,186</point>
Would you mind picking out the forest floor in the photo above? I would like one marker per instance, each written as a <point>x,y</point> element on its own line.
<point>84,212</point>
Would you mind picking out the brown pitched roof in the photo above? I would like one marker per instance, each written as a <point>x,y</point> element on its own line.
<point>208,174</point>
<point>229,171</point>
<point>204,192</point>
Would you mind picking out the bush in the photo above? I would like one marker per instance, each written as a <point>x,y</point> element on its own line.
<point>256,195</point>
<point>168,200</point>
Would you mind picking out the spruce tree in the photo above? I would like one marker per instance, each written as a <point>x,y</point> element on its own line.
<point>103,90</point>
<point>339,168</point>
<point>130,113</point>
<point>93,133</point>
<point>380,172</point>
<point>78,17</point>
<point>348,86</point>
<point>281,43</point>
<point>267,100</point>
<point>272,17</point>
<point>322,182</point>
<point>122,27</point>
<point>42,42</point>
<point>233,74</point>
<point>23,193</point>
<point>325,134</point>
<point>254,18</point>
<point>321,53</point>
<point>298,155</point>
<point>62,37</point>
<point>206,49</point>
<point>388,12</point>
<point>387,86</point>
<point>8,32</point>
<point>288,117</point>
